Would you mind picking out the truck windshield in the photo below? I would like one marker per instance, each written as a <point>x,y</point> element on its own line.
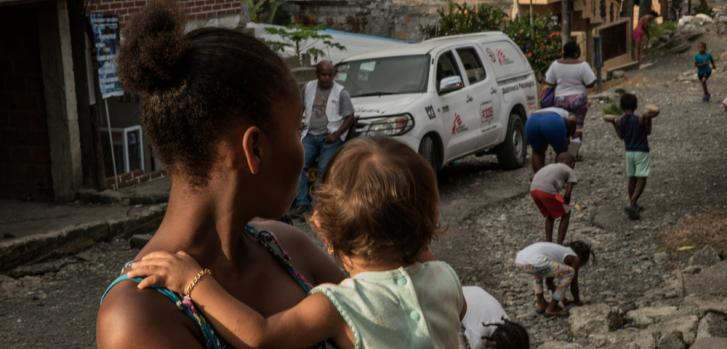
<point>385,76</point>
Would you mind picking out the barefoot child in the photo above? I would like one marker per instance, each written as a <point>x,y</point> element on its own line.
<point>376,211</point>
<point>702,61</point>
<point>634,131</point>
<point>550,260</point>
<point>545,188</point>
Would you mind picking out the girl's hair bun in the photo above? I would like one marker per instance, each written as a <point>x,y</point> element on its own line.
<point>152,49</point>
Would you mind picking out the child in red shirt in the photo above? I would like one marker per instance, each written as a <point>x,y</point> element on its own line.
<point>545,188</point>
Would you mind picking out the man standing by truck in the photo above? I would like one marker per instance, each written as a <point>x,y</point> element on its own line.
<point>327,117</point>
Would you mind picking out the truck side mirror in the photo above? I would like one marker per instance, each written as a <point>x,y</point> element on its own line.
<point>450,84</point>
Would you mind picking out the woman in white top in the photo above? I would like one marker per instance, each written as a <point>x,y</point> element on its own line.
<point>571,77</point>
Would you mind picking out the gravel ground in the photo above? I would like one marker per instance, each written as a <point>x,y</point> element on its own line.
<point>688,179</point>
<point>489,217</point>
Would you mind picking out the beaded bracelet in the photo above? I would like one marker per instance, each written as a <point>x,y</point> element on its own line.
<point>195,280</point>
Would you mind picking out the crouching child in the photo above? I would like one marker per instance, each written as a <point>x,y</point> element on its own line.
<point>549,260</point>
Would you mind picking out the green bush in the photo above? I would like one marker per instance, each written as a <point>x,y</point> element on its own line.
<point>656,31</point>
<point>705,9</point>
<point>463,18</point>
<point>612,109</point>
<point>302,40</point>
<point>265,11</point>
<point>540,42</point>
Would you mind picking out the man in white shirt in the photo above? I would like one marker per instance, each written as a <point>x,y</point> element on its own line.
<point>327,118</point>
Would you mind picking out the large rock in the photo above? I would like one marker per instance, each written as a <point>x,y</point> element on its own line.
<point>710,343</point>
<point>704,257</point>
<point>694,22</point>
<point>680,48</point>
<point>709,283</point>
<point>704,18</point>
<point>713,324</point>
<point>705,305</point>
<point>646,316</point>
<point>596,318</point>
<point>560,345</point>
<point>673,340</point>
<point>629,338</point>
<point>685,325</point>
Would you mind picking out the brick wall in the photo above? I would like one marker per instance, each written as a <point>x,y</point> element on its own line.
<point>195,9</point>
<point>24,144</point>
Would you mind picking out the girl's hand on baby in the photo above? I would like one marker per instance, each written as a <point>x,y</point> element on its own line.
<point>173,271</point>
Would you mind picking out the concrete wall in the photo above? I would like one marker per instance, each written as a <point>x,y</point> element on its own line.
<point>24,143</point>
<point>60,98</point>
<point>399,19</point>
<point>91,154</point>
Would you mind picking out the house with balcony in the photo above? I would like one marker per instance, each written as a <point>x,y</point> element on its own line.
<point>606,19</point>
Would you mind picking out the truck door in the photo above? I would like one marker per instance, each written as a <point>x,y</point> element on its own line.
<point>485,102</point>
<point>452,101</point>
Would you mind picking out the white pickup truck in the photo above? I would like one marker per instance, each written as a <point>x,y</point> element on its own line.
<point>446,97</point>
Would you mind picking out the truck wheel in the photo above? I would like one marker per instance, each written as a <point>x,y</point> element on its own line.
<point>511,153</point>
<point>428,150</point>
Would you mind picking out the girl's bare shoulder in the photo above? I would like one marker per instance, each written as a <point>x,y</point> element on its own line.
<point>129,317</point>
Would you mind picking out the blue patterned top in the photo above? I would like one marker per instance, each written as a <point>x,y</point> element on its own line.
<point>185,304</point>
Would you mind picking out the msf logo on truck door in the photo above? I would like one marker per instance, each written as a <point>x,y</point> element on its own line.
<point>498,56</point>
<point>487,112</point>
<point>457,125</point>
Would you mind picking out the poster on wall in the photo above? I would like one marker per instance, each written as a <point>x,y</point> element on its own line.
<point>106,43</point>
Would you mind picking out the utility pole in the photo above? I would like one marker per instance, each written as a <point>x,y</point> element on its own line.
<point>566,21</point>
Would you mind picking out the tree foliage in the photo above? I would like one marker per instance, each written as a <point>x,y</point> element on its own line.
<point>262,10</point>
<point>463,18</point>
<point>540,42</point>
<point>303,40</point>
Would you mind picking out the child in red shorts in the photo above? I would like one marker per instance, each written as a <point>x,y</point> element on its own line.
<point>545,188</point>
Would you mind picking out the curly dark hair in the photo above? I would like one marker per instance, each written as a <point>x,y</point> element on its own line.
<point>509,335</point>
<point>629,101</point>
<point>571,49</point>
<point>195,85</point>
<point>378,201</point>
<point>583,250</point>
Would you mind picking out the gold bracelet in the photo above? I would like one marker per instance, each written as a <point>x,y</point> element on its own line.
<point>195,280</point>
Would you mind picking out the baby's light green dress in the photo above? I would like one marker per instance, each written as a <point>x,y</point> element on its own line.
<point>417,306</point>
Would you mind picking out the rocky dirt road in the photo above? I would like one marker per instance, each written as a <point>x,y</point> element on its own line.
<point>489,217</point>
